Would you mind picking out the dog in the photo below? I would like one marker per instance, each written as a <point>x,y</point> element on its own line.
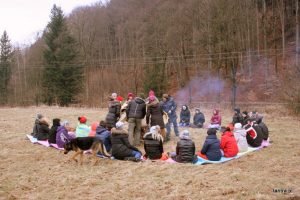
<point>81,144</point>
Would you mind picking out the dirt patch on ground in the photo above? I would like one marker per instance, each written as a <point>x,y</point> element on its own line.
<point>30,171</point>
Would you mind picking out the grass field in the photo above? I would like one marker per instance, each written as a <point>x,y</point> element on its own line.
<point>30,171</point>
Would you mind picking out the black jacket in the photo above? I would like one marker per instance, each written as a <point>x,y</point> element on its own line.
<point>211,148</point>
<point>185,115</point>
<point>154,114</point>
<point>53,131</point>
<point>237,117</point>
<point>153,148</point>
<point>185,151</point>
<point>35,128</point>
<point>121,148</point>
<point>264,129</point>
<point>113,115</point>
<point>43,131</point>
<point>136,109</point>
<point>199,119</point>
<point>254,135</point>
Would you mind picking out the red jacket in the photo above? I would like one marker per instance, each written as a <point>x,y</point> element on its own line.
<point>228,144</point>
<point>216,118</point>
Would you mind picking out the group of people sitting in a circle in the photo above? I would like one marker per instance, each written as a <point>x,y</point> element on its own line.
<point>245,130</point>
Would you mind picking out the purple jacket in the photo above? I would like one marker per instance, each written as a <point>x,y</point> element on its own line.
<point>62,136</point>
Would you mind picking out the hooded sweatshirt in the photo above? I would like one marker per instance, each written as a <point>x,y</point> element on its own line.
<point>136,109</point>
<point>53,131</point>
<point>228,144</point>
<point>216,118</point>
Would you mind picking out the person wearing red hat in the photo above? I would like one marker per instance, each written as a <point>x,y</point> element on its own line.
<point>82,130</point>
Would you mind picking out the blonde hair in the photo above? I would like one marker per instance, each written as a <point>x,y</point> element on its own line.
<point>155,133</point>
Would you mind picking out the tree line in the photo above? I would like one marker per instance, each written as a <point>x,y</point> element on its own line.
<point>137,45</point>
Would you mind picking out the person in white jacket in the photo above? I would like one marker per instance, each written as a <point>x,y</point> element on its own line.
<point>240,137</point>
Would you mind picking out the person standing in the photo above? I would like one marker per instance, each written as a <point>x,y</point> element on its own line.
<point>135,113</point>
<point>169,106</point>
<point>114,109</point>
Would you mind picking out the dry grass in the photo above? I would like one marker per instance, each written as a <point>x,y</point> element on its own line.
<point>30,171</point>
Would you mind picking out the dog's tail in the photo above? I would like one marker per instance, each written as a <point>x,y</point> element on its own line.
<point>103,149</point>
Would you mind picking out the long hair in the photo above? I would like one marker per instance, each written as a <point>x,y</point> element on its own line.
<point>154,132</point>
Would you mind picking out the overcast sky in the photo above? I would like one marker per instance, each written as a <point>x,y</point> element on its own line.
<point>23,19</point>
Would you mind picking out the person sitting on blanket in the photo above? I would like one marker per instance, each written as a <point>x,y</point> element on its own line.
<point>53,131</point>
<point>254,134</point>
<point>121,148</point>
<point>36,124</point>
<point>82,130</point>
<point>199,118</point>
<point>63,136</point>
<point>93,129</point>
<point>103,134</point>
<point>216,120</point>
<point>211,147</point>
<point>153,143</point>
<point>185,149</point>
<point>185,116</point>
<point>43,129</point>
<point>240,137</point>
<point>228,144</point>
<point>264,129</point>
<point>237,117</point>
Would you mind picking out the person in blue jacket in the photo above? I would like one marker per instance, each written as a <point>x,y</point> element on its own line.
<point>104,135</point>
<point>169,106</point>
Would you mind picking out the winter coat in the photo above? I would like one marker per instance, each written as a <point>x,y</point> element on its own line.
<point>211,148</point>
<point>199,119</point>
<point>216,118</point>
<point>153,148</point>
<point>254,135</point>
<point>185,115</point>
<point>264,129</point>
<point>43,130</point>
<point>237,117</point>
<point>35,128</point>
<point>121,148</point>
<point>155,114</point>
<point>170,105</point>
<point>185,151</point>
<point>228,144</point>
<point>136,109</point>
<point>241,140</point>
<point>53,131</point>
<point>245,120</point>
<point>105,136</point>
<point>62,136</point>
<point>82,130</point>
<point>113,114</point>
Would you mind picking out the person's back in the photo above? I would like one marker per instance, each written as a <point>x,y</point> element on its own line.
<point>264,129</point>
<point>43,130</point>
<point>53,131</point>
<point>104,135</point>
<point>36,125</point>
<point>136,108</point>
<point>228,144</point>
<point>240,136</point>
<point>185,149</point>
<point>62,135</point>
<point>254,134</point>
<point>82,130</point>
<point>211,146</point>
<point>153,143</point>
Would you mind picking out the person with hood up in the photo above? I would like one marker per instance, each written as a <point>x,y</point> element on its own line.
<point>237,117</point>
<point>82,130</point>
<point>62,135</point>
<point>199,119</point>
<point>43,129</point>
<point>216,120</point>
<point>228,143</point>
<point>169,106</point>
<point>114,111</point>
<point>185,149</point>
<point>153,143</point>
<point>104,135</point>
<point>240,137</point>
<point>121,148</point>
<point>53,131</point>
<point>154,115</point>
<point>254,134</point>
<point>185,116</point>
<point>36,124</point>
<point>211,147</point>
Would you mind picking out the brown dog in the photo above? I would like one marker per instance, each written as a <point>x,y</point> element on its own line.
<point>81,144</point>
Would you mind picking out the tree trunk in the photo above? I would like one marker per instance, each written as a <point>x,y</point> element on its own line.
<point>297,33</point>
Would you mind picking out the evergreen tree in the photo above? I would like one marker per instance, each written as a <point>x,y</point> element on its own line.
<point>62,78</point>
<point>5,66</point>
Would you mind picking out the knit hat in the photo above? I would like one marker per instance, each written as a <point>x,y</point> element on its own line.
<point>130,95</point>
<point>211,131</point>
<point>151,93</point>
<point>119,125</point>
<point>237,126</point>
<point>185,134</point>
<point>119,98</point>
<point>65,123</point>
<point>82,119</point>
<point>114,95</point>
<point>151,98</point>
<point>39,116</point>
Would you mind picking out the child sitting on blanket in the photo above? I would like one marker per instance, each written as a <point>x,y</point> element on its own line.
<point>211,147</point>
<point>43,129</point>
<point>228,143</point>
<point>121,148</point>
<point>185,149</point>
<point>153,144</point>
<point>240,137</point>
<point>82,130</point>
<point>62,135</point>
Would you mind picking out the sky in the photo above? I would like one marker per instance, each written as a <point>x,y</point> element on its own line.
<point>24,19</point>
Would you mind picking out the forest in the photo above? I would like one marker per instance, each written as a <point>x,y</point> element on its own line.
<point>217,51</point>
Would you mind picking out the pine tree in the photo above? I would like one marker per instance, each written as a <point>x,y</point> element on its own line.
<point>62,78</point>
<point>5,66</point>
